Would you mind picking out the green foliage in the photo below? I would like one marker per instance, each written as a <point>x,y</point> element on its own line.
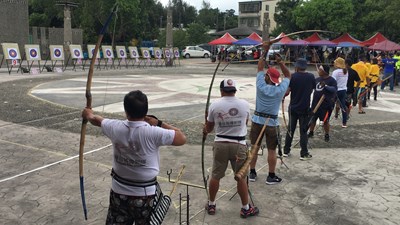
<point>197,34</point>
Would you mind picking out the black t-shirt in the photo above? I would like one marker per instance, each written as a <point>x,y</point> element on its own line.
<point>353,77</point>
<point>329,91</point>
<point>301,86</point>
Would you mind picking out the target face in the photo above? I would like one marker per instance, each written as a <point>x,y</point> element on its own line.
<point>77,53</point>
<point>122,53</point>
<point>158,54</point>
<point>108,53</point>
<point>176,52</point>
<point>12,52</point>
<point>57,53</point>
<point>33,53</point>
<point>134,53</point>
<point>167,54</point>
<point>146,53</point>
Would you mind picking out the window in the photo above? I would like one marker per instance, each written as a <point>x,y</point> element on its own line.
<point>267,8</point>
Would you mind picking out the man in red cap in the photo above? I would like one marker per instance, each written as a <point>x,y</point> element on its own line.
<point>268,99</point>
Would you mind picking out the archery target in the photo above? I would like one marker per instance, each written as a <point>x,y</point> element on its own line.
<point>108,53</point>
<point>176,52</point>
<point>12,53</point>
<point>33,53</point>
<point>146,53</point>
<point>158,53</point>
<point>122,53</point>
<point>77,53</point>
<point>167,53</point>
<point>134,53</point>
<point>57,53</point>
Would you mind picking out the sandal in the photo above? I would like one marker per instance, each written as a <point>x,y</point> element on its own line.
<point>362,112</point>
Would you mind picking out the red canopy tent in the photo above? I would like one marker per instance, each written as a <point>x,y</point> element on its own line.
<point>226,39</point>
<point>284,40</point>
<point>313,37</point>
<point>378,37</point>
<point>346,38</point>
<point>255,36</point>
<point>385,46</point>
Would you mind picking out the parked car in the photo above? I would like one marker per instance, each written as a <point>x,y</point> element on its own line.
<point>195,51</point>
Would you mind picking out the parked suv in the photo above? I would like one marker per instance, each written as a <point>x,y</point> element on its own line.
<point>195,51</point>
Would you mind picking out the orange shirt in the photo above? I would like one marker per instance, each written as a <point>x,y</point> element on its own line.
<point>363,73</point>
<point>374,73</point>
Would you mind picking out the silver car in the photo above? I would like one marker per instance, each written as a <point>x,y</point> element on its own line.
<point>195,51</point>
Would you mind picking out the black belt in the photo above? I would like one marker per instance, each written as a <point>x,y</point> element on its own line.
<point>265,115</point>
<point>237,138</point>
<point>133,183</point>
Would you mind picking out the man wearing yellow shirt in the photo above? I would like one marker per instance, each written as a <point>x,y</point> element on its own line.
<point>363,73</point>
<point>374,75</point>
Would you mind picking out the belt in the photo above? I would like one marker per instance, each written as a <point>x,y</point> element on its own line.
<point>133,183</point>
<point>265,115</point>
<point>237,138</point>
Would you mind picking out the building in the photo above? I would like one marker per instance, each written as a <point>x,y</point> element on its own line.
<point>14,25</point>
<point>251,14</point>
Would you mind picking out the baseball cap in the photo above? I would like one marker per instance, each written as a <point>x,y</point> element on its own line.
<point>228,85</point>
<point>301,63</point>
<point>273,75</point>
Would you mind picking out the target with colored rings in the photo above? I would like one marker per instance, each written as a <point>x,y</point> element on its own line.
<point>108,52</point>
<point>122,52</point>
<point>177,54</point>
<point>158,54</point>
<point>33,53</point>
<point>57,52</point>
<point>134,53</point>
<point>77,53</point>
<point>167,54</point>
<point>146,54</point>
<point>13,53</point>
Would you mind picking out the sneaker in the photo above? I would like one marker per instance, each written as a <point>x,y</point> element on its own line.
<point>327,137</point>
<point>273,180</point>
<point>210,209</point>
<point>286,154</point>
<point>306,157</point>
<point>344,125</point>
<point>252,177</point>
<point>310,134</point>
<point>252,211</point>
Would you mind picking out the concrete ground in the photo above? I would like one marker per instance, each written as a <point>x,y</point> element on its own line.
<point>354,179</point>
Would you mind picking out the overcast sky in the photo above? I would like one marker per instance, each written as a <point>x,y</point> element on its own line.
<point>222,5</point>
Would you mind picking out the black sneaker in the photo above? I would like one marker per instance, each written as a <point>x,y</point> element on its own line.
<point>306,157</point>
<point>252,211</point>
<point>273,180</point>
<point>211,209</point>
<point>287,154</point>
<point>327,137</point>
<point>310,134</point>
<point>252,177</point>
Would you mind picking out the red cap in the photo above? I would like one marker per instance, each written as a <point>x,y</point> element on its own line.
<point>273,75</point>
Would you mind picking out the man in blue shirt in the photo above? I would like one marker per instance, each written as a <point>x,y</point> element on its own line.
<point>388,70</point>
<point>301,86</point>
<point>269,95</point>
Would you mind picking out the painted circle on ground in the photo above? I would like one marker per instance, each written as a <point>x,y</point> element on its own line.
<point>33,53</point>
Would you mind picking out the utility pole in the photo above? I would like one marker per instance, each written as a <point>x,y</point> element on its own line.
<point>169,42</point>
<point>67,24</point>
<point>266,23</point>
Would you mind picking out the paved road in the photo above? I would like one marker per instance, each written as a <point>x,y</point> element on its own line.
<point>353,180</point>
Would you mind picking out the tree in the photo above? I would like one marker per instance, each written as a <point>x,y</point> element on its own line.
<point>197,34</point>
<point>208,16</point>
<point>284,16</point>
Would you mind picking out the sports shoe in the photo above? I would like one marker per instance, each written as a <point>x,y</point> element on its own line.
<point>286,154</point>
<point>344,125</point>
<point>327,137</point>
<point>310,134</point>
<point>252,211</point>
<point>273,180</point>
<point>211,209</point>
<point>252,177</point>
<point>306,157</point>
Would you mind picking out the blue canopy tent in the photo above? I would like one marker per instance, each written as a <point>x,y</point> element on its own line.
<point>246,41</point>
<point>348,44</point>
<point>323,43</point>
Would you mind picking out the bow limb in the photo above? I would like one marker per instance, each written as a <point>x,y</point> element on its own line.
<point>284,117</point>
<point>204,134</point>
<point>88,96</point>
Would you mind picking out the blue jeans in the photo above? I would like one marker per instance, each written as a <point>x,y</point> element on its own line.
<point>343,108</point>
<point>303,118</point>
<point>391,81</point>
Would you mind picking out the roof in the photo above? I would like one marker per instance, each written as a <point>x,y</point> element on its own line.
<point>284,40</point>
<point>378,37</point>
<point>385,46</point>
<point>314,37</point>
<point>346,38</point>
<point>226,39</point>
<point>255,37</point>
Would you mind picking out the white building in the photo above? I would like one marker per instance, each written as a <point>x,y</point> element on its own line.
<point>251,13</point>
